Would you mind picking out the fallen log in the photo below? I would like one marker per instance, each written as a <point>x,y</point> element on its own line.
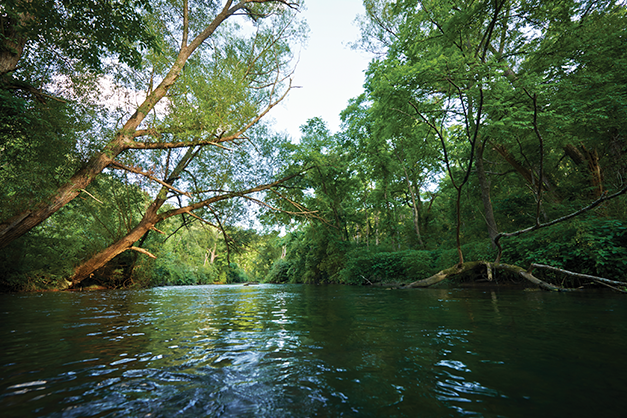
<point>600,280</point>
<point>444,274</point>
<point>468,266</point>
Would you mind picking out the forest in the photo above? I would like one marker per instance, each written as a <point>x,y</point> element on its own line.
<point>489,144</point>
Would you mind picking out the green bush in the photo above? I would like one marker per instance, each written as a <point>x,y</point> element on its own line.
<point>590,246</point>
<point>364,265</point>
<point>174,273</point>
<point>235,274</point>
<point>279,273</point>
<point>417,264</point>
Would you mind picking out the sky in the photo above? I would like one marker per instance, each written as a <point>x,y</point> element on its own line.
<point>329,71</point>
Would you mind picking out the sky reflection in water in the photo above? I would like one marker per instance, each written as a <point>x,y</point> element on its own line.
<point>279,351</point>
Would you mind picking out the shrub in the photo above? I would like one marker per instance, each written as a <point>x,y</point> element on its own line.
<point>589,246</point>
<point>374,266</point>
<point>279,273</point>
<point>235,274</point>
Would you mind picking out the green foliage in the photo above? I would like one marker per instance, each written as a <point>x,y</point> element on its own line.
<point>279,273</point>
<point>313,256</point>
<point>371,265</point>
<point>82,30</point>
<point>365,266</point>
<point>235,274</point>
<point>539,86</point>
<point>589,246</point>
<point>37,150</point>
<point>173,273</point>
<point>48,254</point>
<point>192,253</point>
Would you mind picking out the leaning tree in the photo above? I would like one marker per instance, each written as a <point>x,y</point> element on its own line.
<point>182,33</point>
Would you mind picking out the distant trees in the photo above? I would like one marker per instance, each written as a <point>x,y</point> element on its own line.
<point>480,118</point>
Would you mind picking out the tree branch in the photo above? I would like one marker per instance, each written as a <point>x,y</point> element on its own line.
<point>141,250</point>
<point>214,141</point>
<point>555,221</point>
<point>225,196</point>
<point>578,275</point>
<point>120,166</point>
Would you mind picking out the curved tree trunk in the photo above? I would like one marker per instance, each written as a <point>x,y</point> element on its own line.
<point>103,257</point>
<point>18,225</point>
<point>152,217</point>
<point>147,223</point>
<point>25,221</point>
<point>21,223</point>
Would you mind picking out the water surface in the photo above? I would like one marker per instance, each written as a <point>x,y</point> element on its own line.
<point>298,351</point>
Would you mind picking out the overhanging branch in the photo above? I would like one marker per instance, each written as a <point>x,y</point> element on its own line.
<point>555,221</point>
<point>120,166</point>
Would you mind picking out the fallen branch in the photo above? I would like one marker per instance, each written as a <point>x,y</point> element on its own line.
<point>555,221</point>
<point>578,275</point>
<point>611,287</point>
<point>468,266</point>
<point>444,274</point>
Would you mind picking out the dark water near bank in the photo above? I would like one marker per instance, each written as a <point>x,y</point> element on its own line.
<point>278,351</point>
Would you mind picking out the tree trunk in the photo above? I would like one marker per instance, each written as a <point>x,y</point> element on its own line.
<point>484,184</point>
<point>148,222</point>
<point>414,201</point>
<point>103,257</point>
<point>152,217</point>
<point>214,253</point>
<point>578,156</point>
<point>461,268</point>
<point>13,42</point>
<point>21,223</point>
<point>524,172</point>
<point>376,226</point>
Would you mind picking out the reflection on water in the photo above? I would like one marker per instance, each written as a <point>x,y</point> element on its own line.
<point>279,351</point>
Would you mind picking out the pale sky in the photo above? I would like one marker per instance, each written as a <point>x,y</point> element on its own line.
<point>329,71</point>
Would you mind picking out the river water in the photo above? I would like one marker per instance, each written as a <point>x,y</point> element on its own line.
<point>300,351</point>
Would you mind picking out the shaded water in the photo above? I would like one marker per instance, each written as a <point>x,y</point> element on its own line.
<point>328,351</point>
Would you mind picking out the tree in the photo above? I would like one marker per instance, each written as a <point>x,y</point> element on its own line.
<point>78,30</point>
<point>149,221</point>
<point>220,93</point>
<point>135,136</point>
<point>477,71</point>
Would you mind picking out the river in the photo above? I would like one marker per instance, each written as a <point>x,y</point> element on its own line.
<point>304,351</point>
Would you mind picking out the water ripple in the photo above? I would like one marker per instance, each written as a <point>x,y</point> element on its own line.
<point>297,351</point>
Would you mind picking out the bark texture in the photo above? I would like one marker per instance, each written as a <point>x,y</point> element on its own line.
<point>484,184</point>
<point>591,157</point>
<point>103,257</point>
<point>13,41</point>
